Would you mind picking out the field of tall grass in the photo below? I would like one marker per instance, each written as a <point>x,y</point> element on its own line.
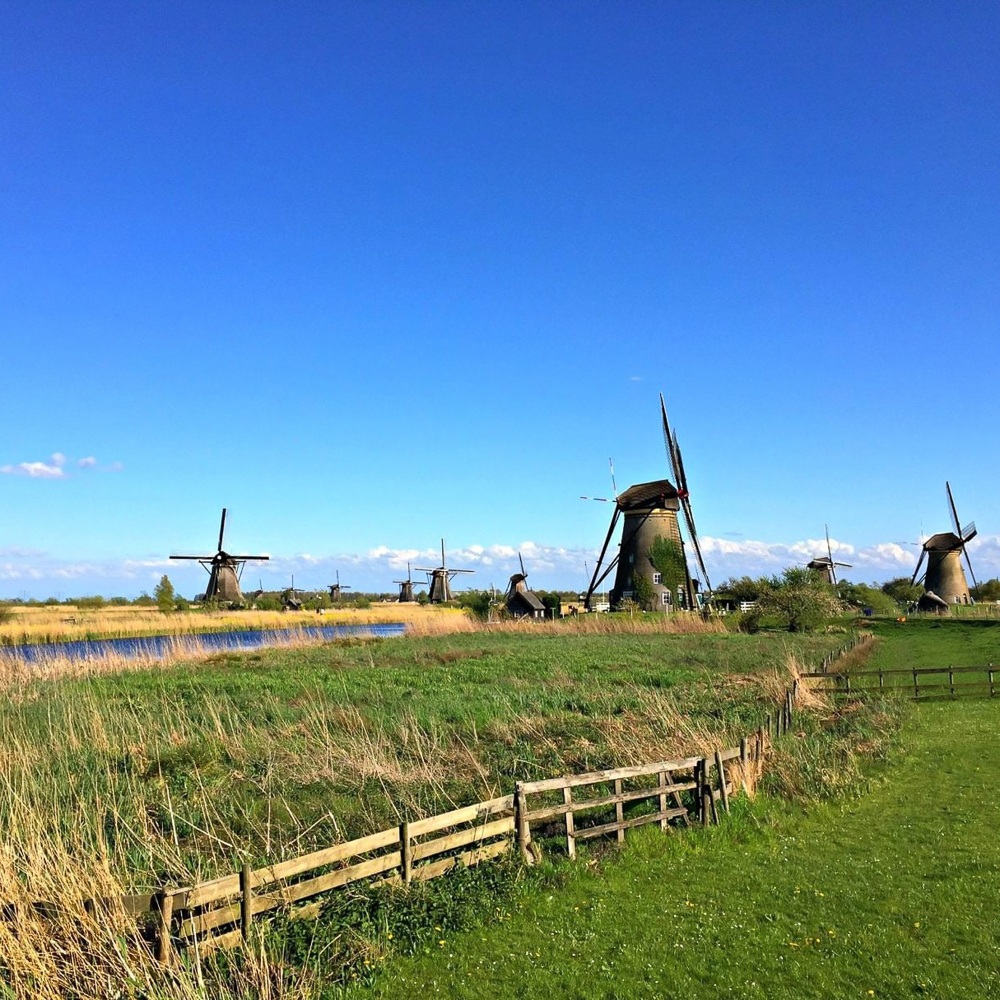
<point>126,778</point>
<point>65,623</point>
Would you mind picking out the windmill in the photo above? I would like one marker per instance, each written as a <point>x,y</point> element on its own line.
<point>826,565</point>
<point>290,600</point>
<point>337,588</point>
<point>406,587</point>
<point>520,601</point>
<point>651,525</point>
<point>439,579</point>
<point>224,571</point>
<point>944,579</point>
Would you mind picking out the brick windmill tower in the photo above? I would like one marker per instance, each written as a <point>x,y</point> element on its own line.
<point>337,589</point>
<point>224,571</point>
<point>944,579</point>
<point>826,565</point>
<point>439,579</point>
<point>652,546</point>
<point>405,587</point>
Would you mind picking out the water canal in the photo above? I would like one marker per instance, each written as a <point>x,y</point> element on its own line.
<point>163,647</point>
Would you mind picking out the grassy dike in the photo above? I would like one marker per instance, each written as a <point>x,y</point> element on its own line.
<point>887,889</point>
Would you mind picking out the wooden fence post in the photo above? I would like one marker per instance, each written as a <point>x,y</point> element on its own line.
<point>165,914</point>
<point>405,852</point>
<point>570,838</point>
<point>951,680</point>
<point>521,824</point>
<point>619,812</point>
<point>744,762</point>
<point>723,790</point>
<point>990,672</point>
<point>661,781</point>
<point>700,781</point>
<point>246,902</point>
<point>916,688</point>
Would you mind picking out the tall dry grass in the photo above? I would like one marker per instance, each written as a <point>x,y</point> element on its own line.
<point>68,623</point>
<point>65,933</point>
<point>607,624</point>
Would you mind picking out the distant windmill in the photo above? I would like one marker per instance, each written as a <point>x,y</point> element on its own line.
<point>439,579</point>
<point>406,587</point>
<point>944,579</point>
<point>650,511</point>
<point>224,571</point>
<point>337,588</point>
<point>290,600</point>
<point>522,602</point>
<point>826,565</point>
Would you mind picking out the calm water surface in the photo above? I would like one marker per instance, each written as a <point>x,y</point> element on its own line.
<point>160,647</point>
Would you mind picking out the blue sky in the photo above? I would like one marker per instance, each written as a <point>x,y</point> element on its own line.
<point>372,273</point>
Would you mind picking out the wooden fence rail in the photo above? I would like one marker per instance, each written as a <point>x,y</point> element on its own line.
<point>219,913</point>
<point>959,681</point>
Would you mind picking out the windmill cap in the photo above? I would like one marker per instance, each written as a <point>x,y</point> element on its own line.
<point>659,494</point>
<point>945,541</point>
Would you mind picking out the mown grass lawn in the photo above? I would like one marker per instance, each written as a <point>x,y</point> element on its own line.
<point>892,893</point>
<point>934,642</point>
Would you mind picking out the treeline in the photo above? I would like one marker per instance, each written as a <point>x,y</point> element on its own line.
<point>801,599</point>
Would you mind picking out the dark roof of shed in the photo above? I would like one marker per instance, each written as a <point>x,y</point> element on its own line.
<point>529,598</point>
<point>645,495</point>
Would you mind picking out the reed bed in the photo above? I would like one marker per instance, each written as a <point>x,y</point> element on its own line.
<point>67,623</point>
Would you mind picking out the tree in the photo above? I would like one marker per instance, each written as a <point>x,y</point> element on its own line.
<point>164,595</point>
<point>642,592</point>
<point>988,590</point>
<point>859,595</point>
<point>902,591</point>
<point>797,600</point>
<point>742,588</point>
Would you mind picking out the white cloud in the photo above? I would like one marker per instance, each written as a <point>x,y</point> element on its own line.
<point>36,470</point>
<point>54,467</point>
<point>737,558</point>
<point>32,573</point>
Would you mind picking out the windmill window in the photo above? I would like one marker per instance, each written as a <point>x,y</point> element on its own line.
<point>657,578</point>
<point>631,558</point>
<point>665,596</point>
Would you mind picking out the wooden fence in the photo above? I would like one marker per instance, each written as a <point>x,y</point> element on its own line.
<point>925,683</point>
<point>856,640</point>
<point>219,913</point>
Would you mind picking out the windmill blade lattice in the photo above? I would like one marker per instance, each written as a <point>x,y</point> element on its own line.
<point>683,492</point>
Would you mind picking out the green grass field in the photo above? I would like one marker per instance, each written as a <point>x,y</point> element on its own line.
<point>193,769</point>
<point>887,893</point>
<point>934,642</point>
<point>125,780</point>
